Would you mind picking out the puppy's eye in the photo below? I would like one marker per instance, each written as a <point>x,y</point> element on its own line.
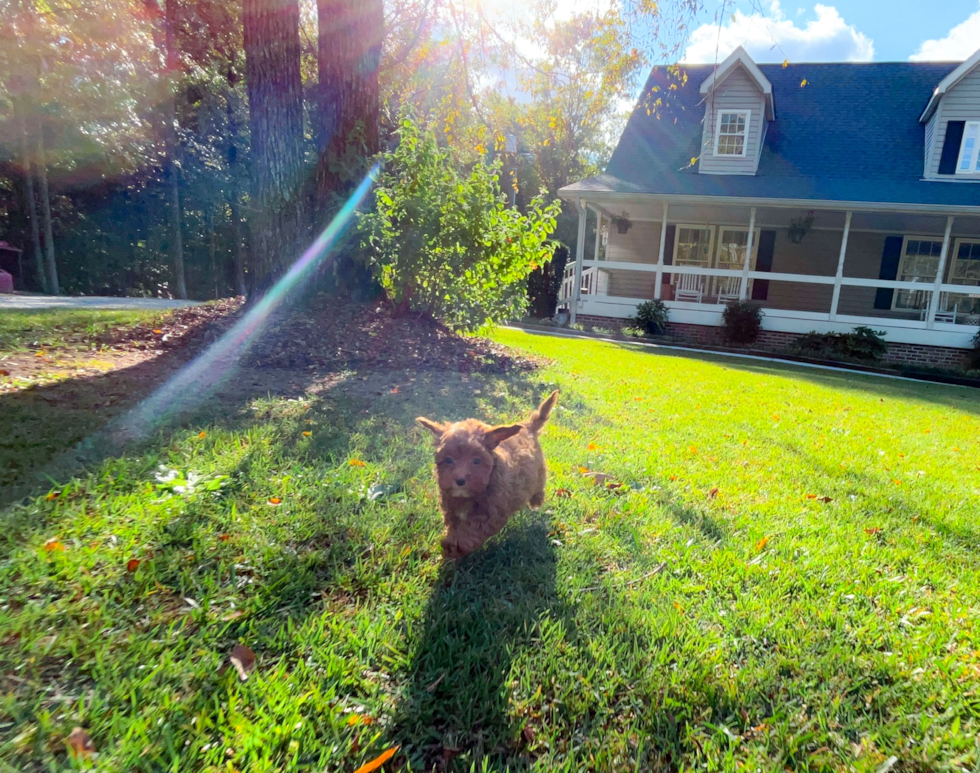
<point>476,461</point>
<point>447,460</point>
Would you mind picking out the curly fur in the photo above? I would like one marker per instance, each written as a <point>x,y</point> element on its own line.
<point>486,474</point>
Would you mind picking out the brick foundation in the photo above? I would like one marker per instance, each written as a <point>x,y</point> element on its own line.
<point>772,341</point>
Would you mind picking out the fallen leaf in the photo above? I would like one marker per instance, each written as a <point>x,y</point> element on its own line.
<point>673,477</point>
<point>528,733</point>
<point>202,435</point>
<point>243,659</point>
<point>4,372</point>
<point>598,478</point>
<point>406,551</point>
<point>132,564</point>
<point>824,499</point>
<point>224,537</point>
<point>897,482</point>
<point>158,332</point>
<point>761,543</point>
<point>307,433</point>
<point>592,446</point>
<point>53,545</point>
<point>360,719</point>
<point>693,449</point>
<point>612,486</point>
<point>583,470</point>
<point>378,761</point>
<point>432,687</point>
<point>775,417</point>
<point>678,607</point>
<point>450,753</point>
<point>873,531</point>
<point>356,463</point>
<point>275,501</point>
<point>563,493</point>
<point>395,391</point>
<point>80,743</point>
<point>713,493</point>
<point>233,615</point>
<point>811,496</point>
<point>52,495</point>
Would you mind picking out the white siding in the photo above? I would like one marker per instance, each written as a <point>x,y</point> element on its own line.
<point>640,244</point>
<point>930,135</point>
<point>960,103</point>
<point>737,92</point>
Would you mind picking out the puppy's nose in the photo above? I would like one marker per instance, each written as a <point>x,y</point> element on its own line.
<point>460,481</point>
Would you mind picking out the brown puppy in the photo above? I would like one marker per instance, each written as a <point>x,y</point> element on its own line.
<point>486,474</point>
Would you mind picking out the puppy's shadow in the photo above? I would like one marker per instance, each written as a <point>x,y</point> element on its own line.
<point>481,612</point>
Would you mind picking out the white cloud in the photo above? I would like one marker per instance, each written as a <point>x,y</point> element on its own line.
<point>961,42</point>
<point>773,38</point>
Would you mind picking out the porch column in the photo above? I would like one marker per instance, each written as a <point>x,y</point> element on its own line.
<point>579,257</point>
<point>658,287</point>
<point>598,234</point>
<point>840,267</point>
<point>934,300</point>
<point>743,290</point>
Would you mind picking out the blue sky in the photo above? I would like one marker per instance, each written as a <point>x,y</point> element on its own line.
<point>838,30</point>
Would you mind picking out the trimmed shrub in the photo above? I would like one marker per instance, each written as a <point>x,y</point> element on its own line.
<point>742,322</point>
<point>862,345</point>
<point>651,318</point>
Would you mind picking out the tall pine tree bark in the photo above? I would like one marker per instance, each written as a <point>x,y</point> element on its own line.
<point>238,249</point>
<point>31,205</point>
<point>275,94</point>
<point>172,162</point>
<point>348,57</point>
<point>42,178</point>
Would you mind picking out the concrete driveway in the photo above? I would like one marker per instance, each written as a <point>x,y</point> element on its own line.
<point>33,302</point>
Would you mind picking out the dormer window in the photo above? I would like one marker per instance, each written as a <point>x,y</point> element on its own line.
<point>969,162</point>
<point>730,133</point>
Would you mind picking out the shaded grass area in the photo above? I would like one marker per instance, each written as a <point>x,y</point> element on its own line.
<point>788,582</point>
<point>22,329</point>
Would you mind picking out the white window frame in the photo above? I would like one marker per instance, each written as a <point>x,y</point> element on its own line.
<point>975,158</point>
<point>694,227</point>
<point>926,285</point>
<point>745,142</point>
<point>738,229</point>
<point>955,257</point>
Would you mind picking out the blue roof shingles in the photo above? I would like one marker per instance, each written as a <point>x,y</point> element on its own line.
<point>851,134</point>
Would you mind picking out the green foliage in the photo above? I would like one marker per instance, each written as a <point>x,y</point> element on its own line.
<point>442,239</point>
<point>742,321</point>
<point>975,353</point>
<point>862,344</point>
<point>651,317</point>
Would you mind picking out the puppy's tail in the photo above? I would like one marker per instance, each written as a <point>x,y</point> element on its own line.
<point>540,416</point>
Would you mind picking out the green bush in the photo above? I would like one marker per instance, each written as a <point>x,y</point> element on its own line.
<point>442,240</point>
<point>975,354</point>
<point>742,321</point>
<point>651,318</point>
<point>861,344</point>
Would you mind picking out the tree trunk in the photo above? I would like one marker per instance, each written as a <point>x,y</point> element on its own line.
<point>275,92</point>
<point>42,178</point>
<point>31,202</point>
<point>348,56</point>
<point>237,248</point>
<point>172,162</point>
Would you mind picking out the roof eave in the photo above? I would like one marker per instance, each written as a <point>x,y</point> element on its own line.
<point>949,82</point>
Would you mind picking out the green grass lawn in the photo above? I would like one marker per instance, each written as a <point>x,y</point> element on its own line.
<point>34,329</point>
<point>788,581</point>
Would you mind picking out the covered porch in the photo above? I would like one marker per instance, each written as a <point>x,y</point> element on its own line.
<point>913,273</point>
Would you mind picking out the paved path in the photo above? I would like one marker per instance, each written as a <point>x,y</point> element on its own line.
<point>32,302</point>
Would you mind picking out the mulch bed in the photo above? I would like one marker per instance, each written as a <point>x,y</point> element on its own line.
<point>326,333</point>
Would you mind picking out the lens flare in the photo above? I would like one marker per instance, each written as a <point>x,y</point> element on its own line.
<point>198,379</point>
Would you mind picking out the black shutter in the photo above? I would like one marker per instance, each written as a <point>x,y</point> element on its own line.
<point>951,147</point>
<point>890,257</point>
<point>669,250</point>
<point>763,262</point>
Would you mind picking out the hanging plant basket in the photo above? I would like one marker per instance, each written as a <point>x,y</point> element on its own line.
<point>799,227</point>
<point>623,223</point>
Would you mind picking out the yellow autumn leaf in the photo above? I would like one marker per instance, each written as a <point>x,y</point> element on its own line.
<point>356,463</point>
<point>202,435</point>
<point>761,543</point>
<point>275,501</point>
<point>307,433</point>
<point>592,446</point>
<point>54,545</point>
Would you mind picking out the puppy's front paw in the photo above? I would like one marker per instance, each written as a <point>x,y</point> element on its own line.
<point>450,549</point>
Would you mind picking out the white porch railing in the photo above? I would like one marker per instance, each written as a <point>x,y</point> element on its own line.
<point>594,282</point>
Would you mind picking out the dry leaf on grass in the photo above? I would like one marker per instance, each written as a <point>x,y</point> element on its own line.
<point>4,372</point>
<point>224,537</point>
<point>202,435</point>
<point>592,446</point>
<point>52,495</point>
<point>528,733</point>
<point>307,433</point>
<point>432,687</point>
<point>824,499</point>
<point>873,531</point>
<point>356,463</point>
<point>761,543</point>
<point>598,478</point>
<point>360,719</point>
<point>563,493</point>
<point>54,545</point>
<point>243,659</point>
<point>80,743</point>
<point>275,501</point>
<point>713,493</point>
<point>378,761</point>
<point>132,564</point>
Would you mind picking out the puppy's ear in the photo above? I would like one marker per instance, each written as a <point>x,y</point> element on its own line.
<point>498,435</point>
<point>434,427</point>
